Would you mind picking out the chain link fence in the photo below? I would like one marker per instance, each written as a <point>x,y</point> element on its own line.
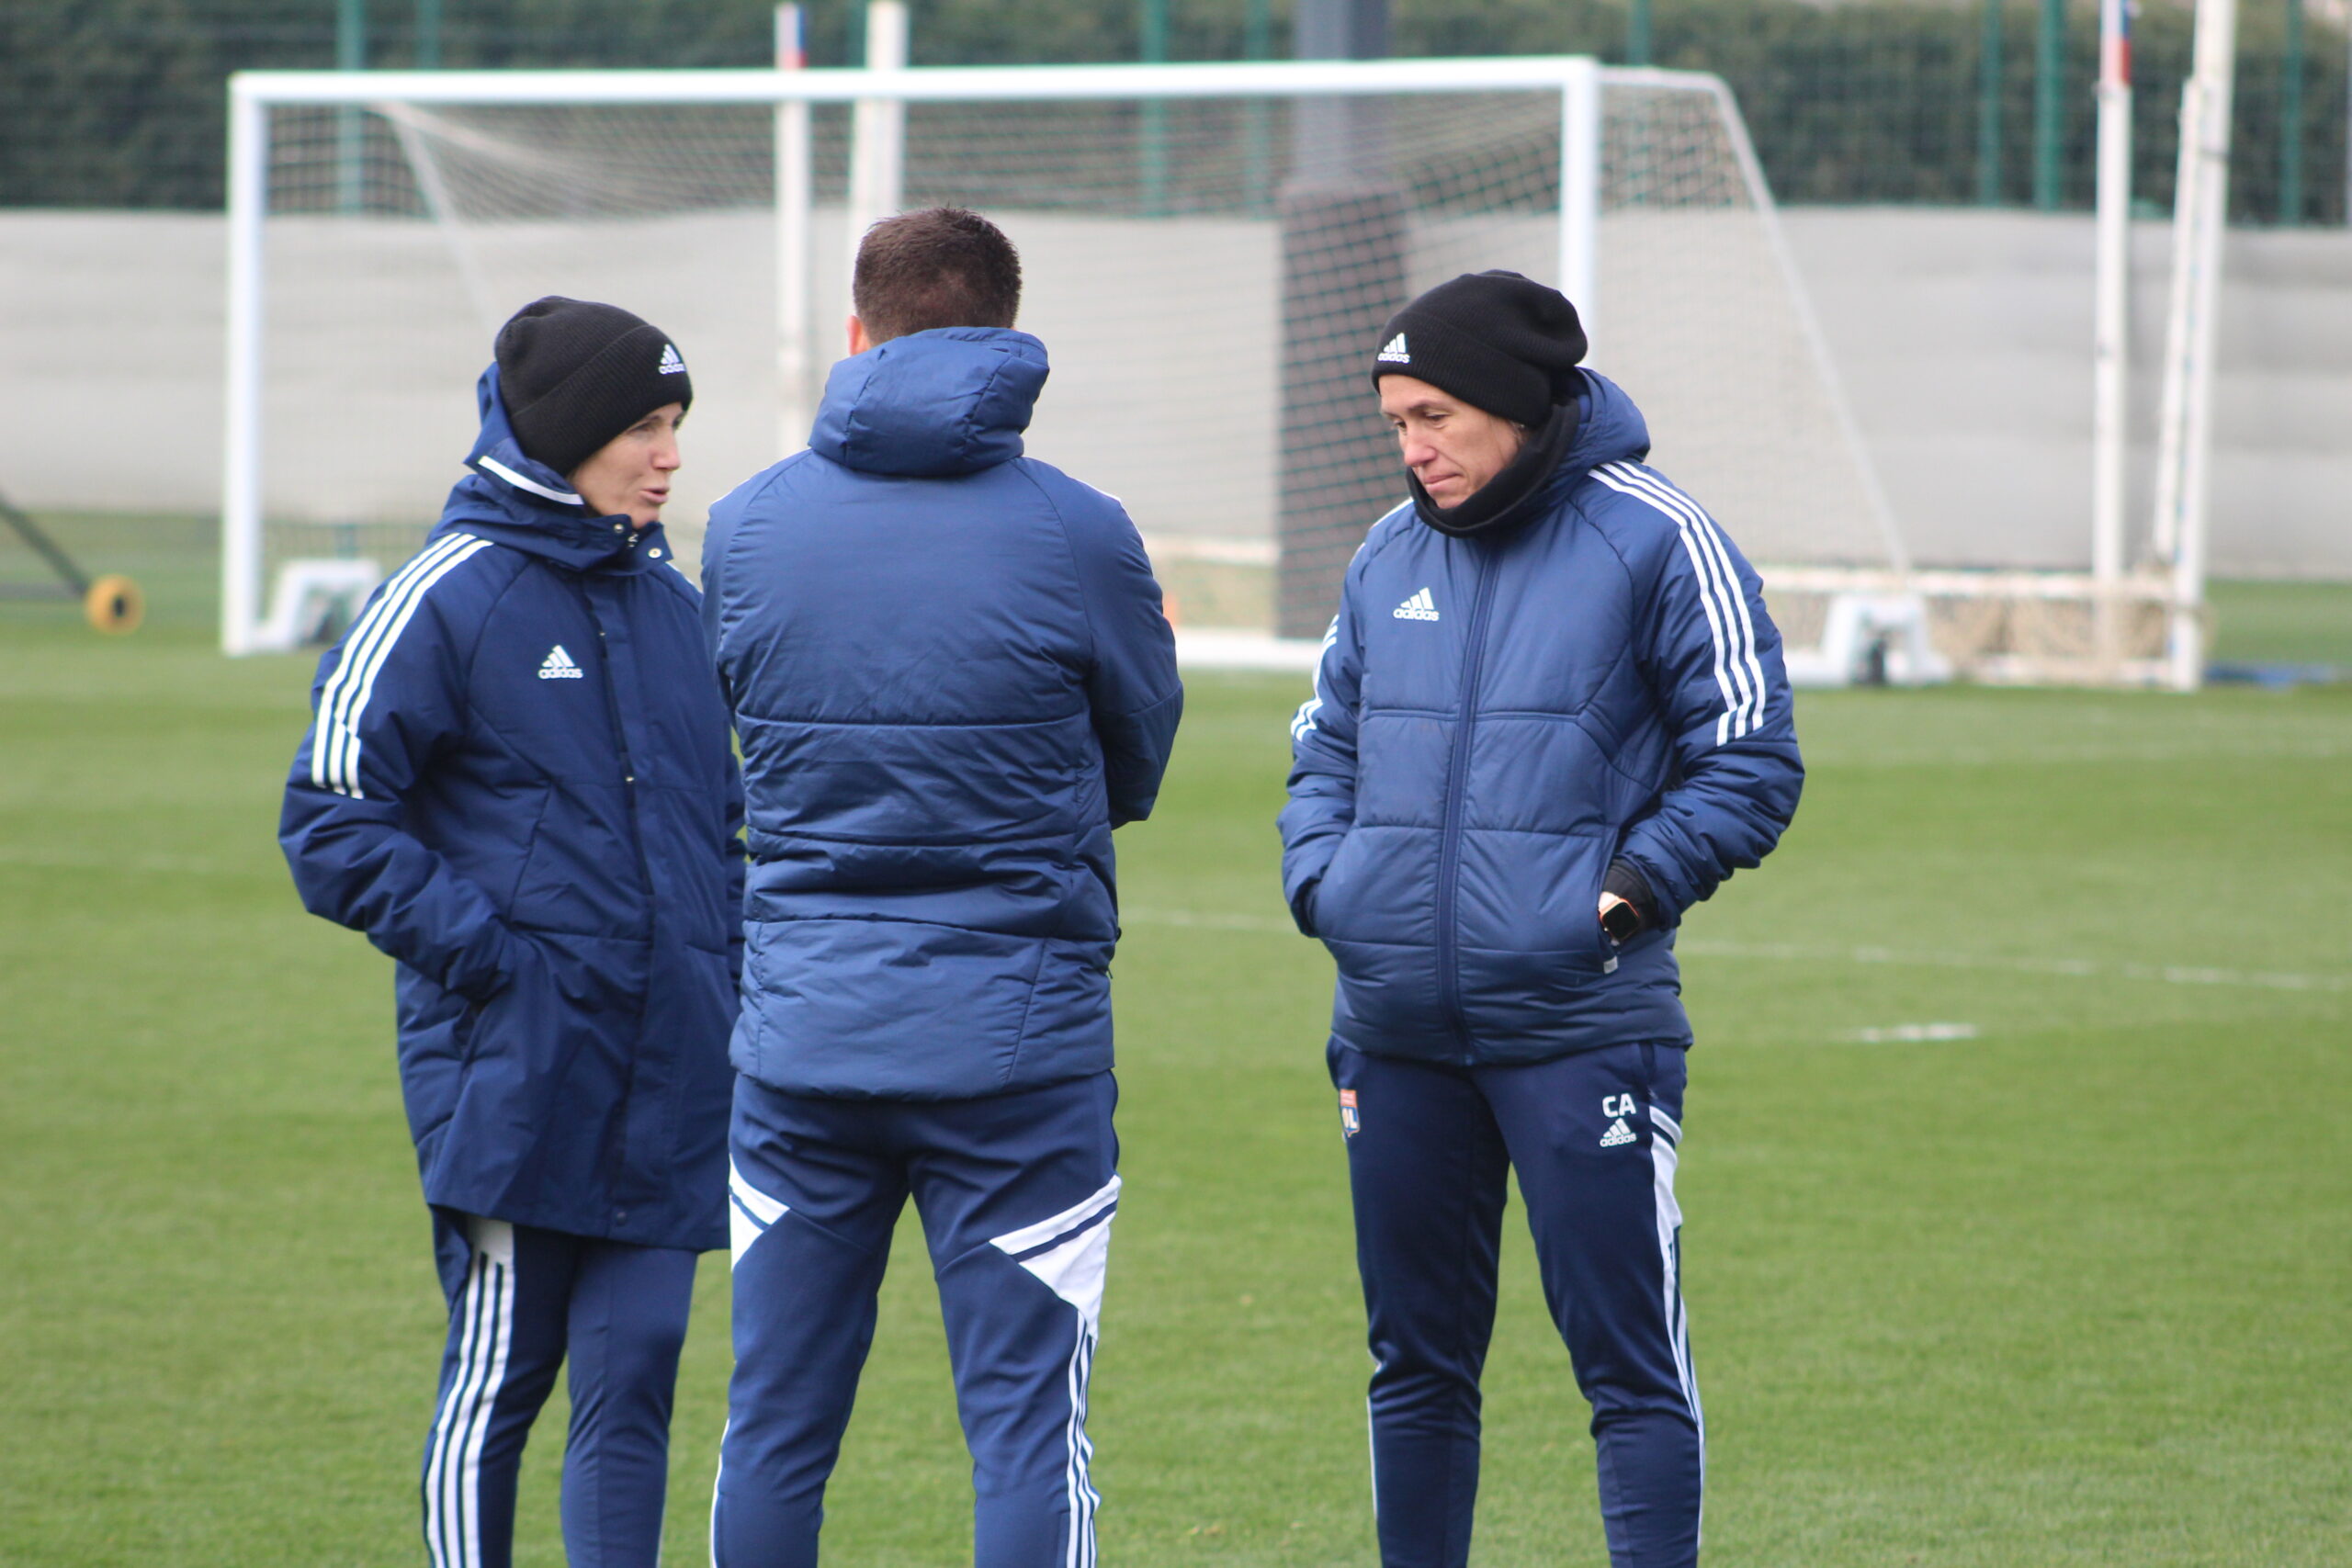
<point>1930,102</point>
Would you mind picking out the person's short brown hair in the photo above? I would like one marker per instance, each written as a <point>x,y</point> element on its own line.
<point>941,267</point>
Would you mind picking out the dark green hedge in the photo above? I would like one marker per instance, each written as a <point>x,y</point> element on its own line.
<point>119,103</point>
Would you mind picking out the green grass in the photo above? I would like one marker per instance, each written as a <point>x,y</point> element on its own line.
<point>2282,623</point>
<point>2076,1289</point>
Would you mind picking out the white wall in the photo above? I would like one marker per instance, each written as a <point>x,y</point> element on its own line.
<point>1964,339</point>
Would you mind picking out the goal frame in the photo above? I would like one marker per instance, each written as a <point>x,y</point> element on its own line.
<point>878,97</point>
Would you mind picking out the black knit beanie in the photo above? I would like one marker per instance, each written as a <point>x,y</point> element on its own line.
<point>1496,339</point>
<point>574,373</point>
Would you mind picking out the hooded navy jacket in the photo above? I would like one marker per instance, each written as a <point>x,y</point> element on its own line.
<point>952,678</point>
<point>1497,716</point>
<point>518,784</point>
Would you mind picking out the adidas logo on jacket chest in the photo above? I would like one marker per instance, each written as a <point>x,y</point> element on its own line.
<point>559,666</point>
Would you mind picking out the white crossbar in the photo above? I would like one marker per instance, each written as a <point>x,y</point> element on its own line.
<point>942,84</point>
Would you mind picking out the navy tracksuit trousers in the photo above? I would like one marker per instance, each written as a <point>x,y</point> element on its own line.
<point>1016,1192</point>
<point>522,1303</point>
<point>1592,1137</point>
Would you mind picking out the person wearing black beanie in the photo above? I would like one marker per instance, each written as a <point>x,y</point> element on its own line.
<point>575,377</point>
<point>520,782</point>
<point>1508,347</point>
<point>1549,720</point>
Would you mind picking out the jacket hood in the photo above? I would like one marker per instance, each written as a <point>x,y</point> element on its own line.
<point>1609,429</point>
<point>517,501</point>
<point>1612,429</point>
<point>952,401</point>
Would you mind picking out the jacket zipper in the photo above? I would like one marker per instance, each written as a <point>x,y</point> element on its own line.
<point>1457,768</point>
<point>618,1157</point>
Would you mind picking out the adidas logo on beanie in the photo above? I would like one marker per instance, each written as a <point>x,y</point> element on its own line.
<point>1496,340</point>
<point>574,374</point>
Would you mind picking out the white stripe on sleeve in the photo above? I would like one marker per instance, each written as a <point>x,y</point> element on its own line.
<point>343,704</point>
<point>1738,673</point>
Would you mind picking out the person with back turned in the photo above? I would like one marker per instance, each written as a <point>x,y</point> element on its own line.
<point>1550,717</point>
<point>952,679</point>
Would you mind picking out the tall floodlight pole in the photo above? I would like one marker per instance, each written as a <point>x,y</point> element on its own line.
<point>2184,435</point>
<point>879,130</point>
<point>1343,257</point>
<point>794,211</point>
<point>2110,351</point>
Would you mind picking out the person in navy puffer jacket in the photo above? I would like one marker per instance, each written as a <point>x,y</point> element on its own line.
<point>518,784</point>
<point>951,679</point>
<point>1550,716</point>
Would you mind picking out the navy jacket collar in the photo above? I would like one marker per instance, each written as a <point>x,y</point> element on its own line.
<point>516,500</point>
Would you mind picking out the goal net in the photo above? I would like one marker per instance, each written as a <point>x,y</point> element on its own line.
<point>1208,252</point>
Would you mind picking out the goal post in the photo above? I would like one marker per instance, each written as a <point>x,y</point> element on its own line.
<point>1203,245</point>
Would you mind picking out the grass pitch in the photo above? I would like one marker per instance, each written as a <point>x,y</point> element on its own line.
<point>2017,1172</point>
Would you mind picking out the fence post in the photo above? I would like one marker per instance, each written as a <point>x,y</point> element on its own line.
<point>1258,43</point>
<point>1153,152</point>
<point>350,54</point>
<point>2290,122</point>
<point>2049,42</point>
<point>1989,108</point>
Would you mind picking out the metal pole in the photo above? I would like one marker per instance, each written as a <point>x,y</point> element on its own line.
<point>428,35</point>
<point>795,264</point>
<point>2290,122</point>
<point>878,127</point>
<point>1637,33</point>
<point>1580,191</point>
<point>2048,45</point>
<point>241,453</point>
<point>2111,323</point>
<point>1988,108</point>
<point>1151,153</point>
<point>1342,228</point>
<point>2200,210</point>
<point>350,54</point>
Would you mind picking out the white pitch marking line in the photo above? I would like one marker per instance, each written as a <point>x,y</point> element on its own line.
<point>1913,1033</point>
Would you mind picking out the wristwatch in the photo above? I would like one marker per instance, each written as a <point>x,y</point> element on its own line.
<point>1620,921</point>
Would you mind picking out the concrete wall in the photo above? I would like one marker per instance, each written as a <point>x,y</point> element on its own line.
<point>1962,338</point>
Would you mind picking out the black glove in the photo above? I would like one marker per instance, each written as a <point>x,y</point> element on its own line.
<point>1637,907</point>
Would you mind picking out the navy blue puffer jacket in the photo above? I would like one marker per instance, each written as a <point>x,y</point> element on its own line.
<point>1495,718</point>
<point>951,678</point>
<point>518,784</point>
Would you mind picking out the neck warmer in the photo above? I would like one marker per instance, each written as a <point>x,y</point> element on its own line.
<point>1503,501</point>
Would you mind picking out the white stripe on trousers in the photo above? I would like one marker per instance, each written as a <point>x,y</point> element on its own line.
<point>1664,1158</point>
<point>1078,1483</point>
<point>453,1468</point>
